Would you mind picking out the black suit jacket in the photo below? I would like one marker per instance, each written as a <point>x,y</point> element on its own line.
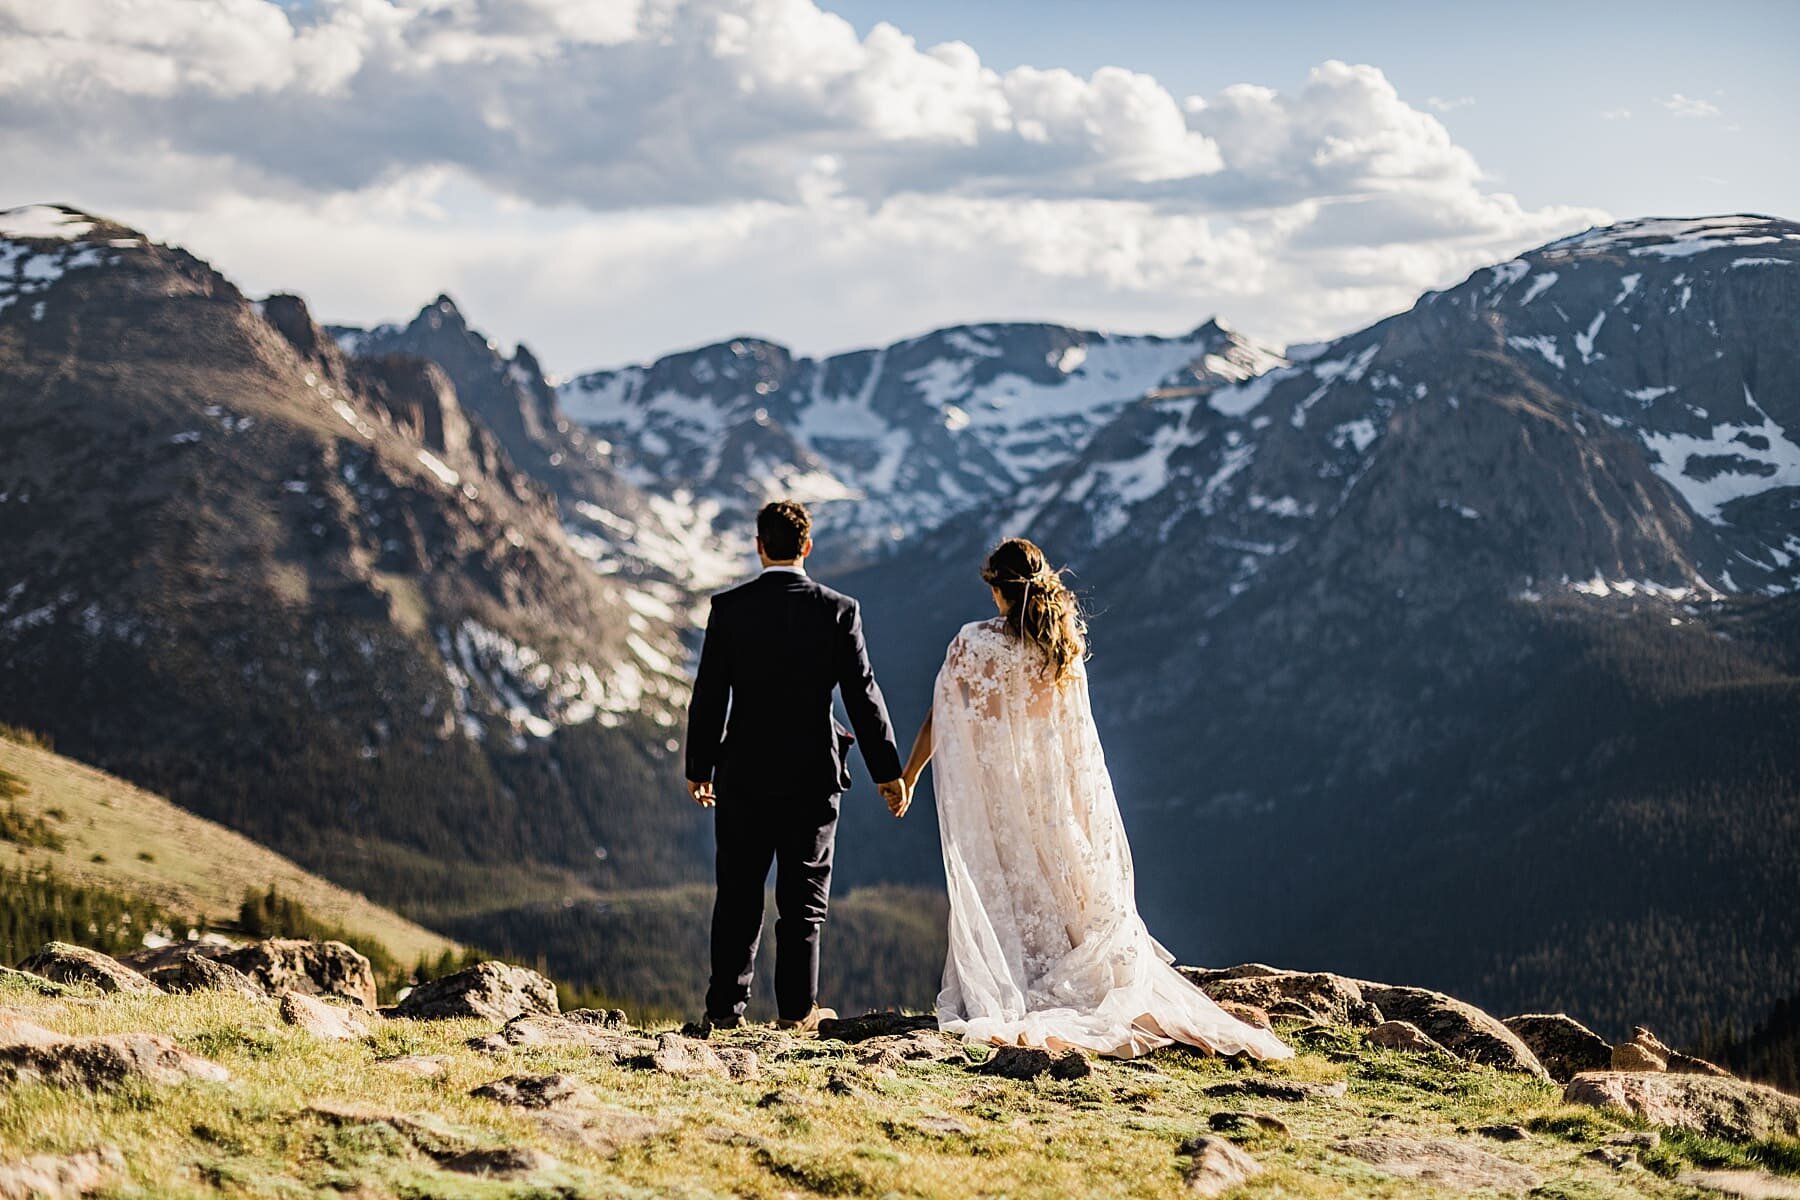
<point>775,649</point>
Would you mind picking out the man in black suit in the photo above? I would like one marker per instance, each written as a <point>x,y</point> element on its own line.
<point>775,649</point>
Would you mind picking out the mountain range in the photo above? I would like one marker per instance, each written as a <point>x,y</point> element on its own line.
<point>1460,649</point>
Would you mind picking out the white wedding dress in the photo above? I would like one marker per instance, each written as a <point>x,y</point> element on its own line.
<point>1046,945</point>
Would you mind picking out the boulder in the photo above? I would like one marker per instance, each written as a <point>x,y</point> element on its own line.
<point>582,1027</point>
<point>1403,1035</point>
<point>1217,1166</point>
<point>535,1091</point>
<point>15,1030</point>
<point>194,972</point>
<point>677,1055</point>
<point>1249,1014</point>
<point>59,1176</point>
<point>425,1066</point>
<point>494,991</point>
<point>280,965</point>
<point>1460,1028</point>
<point>102,1062</point>
<point>321,1019</point>
<point>873,1025</point>
<point>1300,995</point>
<point>941,1125</point>
<point>1646,1052</point>
<point>1706,1104</point>
<point>1743,1185</point>
<point>498,1162</point>
<point>60,962</point>
<point>1247,1124</point>
<point>1562,1044</point>
<point>895,1049</point>
<point>1450,1165</point>
<point>1016,1062</point>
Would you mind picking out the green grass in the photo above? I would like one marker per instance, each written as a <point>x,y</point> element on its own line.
<point>1114,1133</point>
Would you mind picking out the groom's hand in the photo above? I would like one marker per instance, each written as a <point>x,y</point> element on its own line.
<point>897,795</point>
<point>702,792</point>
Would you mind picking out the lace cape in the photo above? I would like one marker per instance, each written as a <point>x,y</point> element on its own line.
<point>1046,945</point>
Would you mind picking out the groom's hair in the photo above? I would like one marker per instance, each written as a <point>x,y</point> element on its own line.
<point>783,527</point>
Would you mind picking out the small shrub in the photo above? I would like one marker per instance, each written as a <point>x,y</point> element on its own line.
<point>21,827</point>
<point>146,856</point>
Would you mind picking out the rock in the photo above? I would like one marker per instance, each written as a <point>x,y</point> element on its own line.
<point>1562,1044</point>
<point>587,1027</point>
<point>1249,1014</point>
<point>15,1030</point>
<point>280,965</point>
<point>1744,1185</point>
<point>785,1099</point>
<point>324,1020</point>
<point>425,1066</point>
<point>1636,1139</point>
<point>1609,1156</point>
<point>1016,1062</point>
<point>676,1055</point>
<point>500,1162</point>
<point>1503,1133</point>
<point>1629,1056</point>
<point>1460,1028</point>
<point>60,962</point>
<point>874,1025</point>
<point>535,1091</point>
<point>941,1125</point>
<point>1301,995</point>
<point>33,983</point>
<point>1718,1107</point>
<point>1403,1035</point>
<point>58,1176</point>
<point>102,1062</point>
<point>920,1046</point>
<point>1247,1124</point>
<point>194,972</point>
<point>1287,1090</point>
<point>1218,1166</point>
<point>1071,1065</point>
<point>1646,1052</point>
<point>1447,1164</point>
<point>492,990</point>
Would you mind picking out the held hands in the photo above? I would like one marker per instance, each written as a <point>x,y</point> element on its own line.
<point>702,792</point>
<point>898,794</point>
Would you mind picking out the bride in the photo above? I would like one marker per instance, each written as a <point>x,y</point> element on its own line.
<point>1046,945</point>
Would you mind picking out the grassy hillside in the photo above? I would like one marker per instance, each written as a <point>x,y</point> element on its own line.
<point>303,1116</point>
<point>90,828</point>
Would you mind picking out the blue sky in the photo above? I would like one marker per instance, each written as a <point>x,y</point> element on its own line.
<point>613,179</point>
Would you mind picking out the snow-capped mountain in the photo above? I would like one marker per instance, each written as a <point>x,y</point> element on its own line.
<point>312,595</point>
<point>1448,647</point>
<point>889,442</point>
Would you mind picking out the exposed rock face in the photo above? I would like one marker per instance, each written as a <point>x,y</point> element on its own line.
<point>1303,995</point>
<point>195,972</point>
<point>1403,1035</point>
<point>495,991</point>
<point>60,962</point>
<point>324,1020</point>
<point>1646,1052</point>
<point>1446,1164</point>
<point>102,1062</point>
<point>59,1176</point>
<point>677,1055</point>
<point>1460,1028</point>
<point>1726,1108</point>
<point>1562,1044</point>
<point>295,965</point>
<point>1217,1167</point>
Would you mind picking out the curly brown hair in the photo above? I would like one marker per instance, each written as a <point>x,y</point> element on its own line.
<point>1040,608</point>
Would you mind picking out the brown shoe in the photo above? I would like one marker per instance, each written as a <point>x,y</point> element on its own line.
<point>810,1022</point>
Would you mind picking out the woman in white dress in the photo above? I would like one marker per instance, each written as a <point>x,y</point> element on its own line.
<point>1046,945</point>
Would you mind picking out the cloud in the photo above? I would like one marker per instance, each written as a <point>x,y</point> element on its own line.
<point>1688,106</point>
<point>612,177</point>
<point>1616,114</point>
<point>1441,105</point>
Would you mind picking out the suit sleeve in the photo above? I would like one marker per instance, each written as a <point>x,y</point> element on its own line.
<point>863,700</point>
<point>712,693</point>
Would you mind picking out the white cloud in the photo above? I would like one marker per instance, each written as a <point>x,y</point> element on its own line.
<point>608,178</point>
<point>1688,106</point>
<point>1441,105</point>
<point>1616,114</point>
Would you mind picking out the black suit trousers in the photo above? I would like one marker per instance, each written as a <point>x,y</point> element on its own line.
<point>797,837</point>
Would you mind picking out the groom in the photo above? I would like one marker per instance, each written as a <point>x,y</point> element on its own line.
<point>775,648</point>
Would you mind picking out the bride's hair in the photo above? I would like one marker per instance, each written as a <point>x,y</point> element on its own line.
<point>1040,608</point>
